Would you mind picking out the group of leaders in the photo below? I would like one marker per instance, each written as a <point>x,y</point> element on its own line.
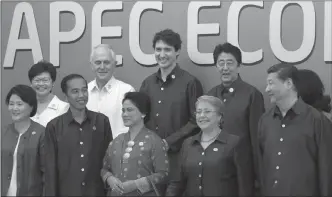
<point>169,138</point>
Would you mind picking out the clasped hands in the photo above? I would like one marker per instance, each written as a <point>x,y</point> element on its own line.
<point>121,187</point>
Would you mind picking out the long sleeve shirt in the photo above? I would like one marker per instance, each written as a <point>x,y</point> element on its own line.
<point>244,105</point>
<point>75,154</point>
<point>148,158</point>
<point>172,105</point>
<point>295,152</point>
<point>29,160</point>
<point>224,168</point>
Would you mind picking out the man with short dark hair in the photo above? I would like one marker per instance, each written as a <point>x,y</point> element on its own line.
<point>294,141</point>
<point>244,104</point>
<point>75,143</point>
<point>173,92</point>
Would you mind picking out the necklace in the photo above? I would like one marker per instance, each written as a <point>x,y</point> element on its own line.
<point>213,138</point>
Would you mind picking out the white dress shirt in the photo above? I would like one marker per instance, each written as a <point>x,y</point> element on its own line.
<point>54,109</point>
<point>108,101</point>
<point>13,181</point>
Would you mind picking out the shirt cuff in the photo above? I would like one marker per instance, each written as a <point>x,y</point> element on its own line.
<point>143,185</point>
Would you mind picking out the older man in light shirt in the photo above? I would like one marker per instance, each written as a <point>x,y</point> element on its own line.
<point>105,91</point>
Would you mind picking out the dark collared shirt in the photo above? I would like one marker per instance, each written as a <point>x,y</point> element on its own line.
<point>172,105</point>
<point>75,154</point>
<point>30,168</point>
<point>244,105</point>
<point>295,152</point>
<point>224,168</point>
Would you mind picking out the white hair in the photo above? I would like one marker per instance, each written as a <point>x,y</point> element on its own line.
<point>107,47</point>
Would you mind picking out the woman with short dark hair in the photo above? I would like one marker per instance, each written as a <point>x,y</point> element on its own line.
<point>311,90</point>
<point>42,76</point>
<point>136,163</point>
<point>22,146</point>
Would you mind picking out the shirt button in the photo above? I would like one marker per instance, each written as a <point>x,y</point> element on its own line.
<point>82,155</point>
<point>81,143</point>
<point>82,169</point>
<point>279,153</point>
<point>83,183</point>
<point>159,101</point>
<point>157,128</point>
<point>283,125</point>
<point>281,139</point>
<point>157,114</point>
<point>224,100</point>
<point>202,153</point>
<point>275,182</point>
<point>81,129</point>
<point>277,167</point>
<point>200,163</point>
<point>161,89</point>
<point>9,177</point>
<point>199,175</point>
<point>200,187</point>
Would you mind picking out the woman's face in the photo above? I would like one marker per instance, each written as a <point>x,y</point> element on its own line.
<point>42,84</point>
<point>206,116</point>
<point>130,114</point>
<point>18,109</point>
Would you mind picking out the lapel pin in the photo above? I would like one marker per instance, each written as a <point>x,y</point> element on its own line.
<point>215,149</point>
<point>231,90</point>
<point>140,144</point>
<point>33,132</point>
<point>173,76</point>
<point>94,128</point>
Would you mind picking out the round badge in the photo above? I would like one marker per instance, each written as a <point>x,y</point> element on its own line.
<point>215,149</point>
<point>131,143</point>
<point>231,90</point>
<point>173,76</point>
<point>126,155</point>
<point>129,149</point>
<point>141,144</point>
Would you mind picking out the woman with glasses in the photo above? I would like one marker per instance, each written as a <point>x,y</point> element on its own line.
<point>42,76</point>
<point>213,162</point>
<point>136,163</point>
<point>22,145</point>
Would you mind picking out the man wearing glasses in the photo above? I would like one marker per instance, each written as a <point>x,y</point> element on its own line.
<point>244,104</point>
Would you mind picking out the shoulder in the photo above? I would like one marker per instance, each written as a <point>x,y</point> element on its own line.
<point>151,134</point>
<point>6,128</point>
<point>63,106</point>
<point>124,86</point>
<point>37,128</point>
<point>213,91</point>
<point>150,78</point>
<point>249,88</point>
<point>189,77</point>
<point>98,115</point>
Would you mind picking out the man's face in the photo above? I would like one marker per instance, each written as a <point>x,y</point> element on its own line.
<point>276,88</point>
<point>165,54</point>
<point>103,64</point>
<point>228,67</point>
<point>77,93</point>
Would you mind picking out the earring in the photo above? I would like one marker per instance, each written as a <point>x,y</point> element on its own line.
<point>143,117</point>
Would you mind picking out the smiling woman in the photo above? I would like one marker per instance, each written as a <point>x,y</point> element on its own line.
<point>22,146</point>
<point>42,77</point>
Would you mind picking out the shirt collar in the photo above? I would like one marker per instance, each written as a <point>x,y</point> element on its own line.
<point>108,85</point>
<point>176,72</point>
<point>222,137</point>
<point>298,108</point>
<point>233,87</point>
<point>54,104</point>
<point>68,117</point>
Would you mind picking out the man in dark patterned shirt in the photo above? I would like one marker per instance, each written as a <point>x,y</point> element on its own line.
<point>173,93</point>
<point>75,143</point>
<point>294,141</point>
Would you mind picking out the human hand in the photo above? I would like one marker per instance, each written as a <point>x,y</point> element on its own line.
<point>129,186</point>
<point>115,184</point>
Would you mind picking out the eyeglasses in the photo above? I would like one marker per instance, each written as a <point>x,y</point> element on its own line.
<point>206,112</point>
<point>44,80</point>
<point>126,156</point>
<point>226,63</point>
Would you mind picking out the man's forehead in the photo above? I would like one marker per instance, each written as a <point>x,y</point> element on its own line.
<point>226,56</point>
<point>162,44</point>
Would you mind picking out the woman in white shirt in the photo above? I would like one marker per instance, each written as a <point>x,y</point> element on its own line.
<point>22,142</point>
<point>42,76</point>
